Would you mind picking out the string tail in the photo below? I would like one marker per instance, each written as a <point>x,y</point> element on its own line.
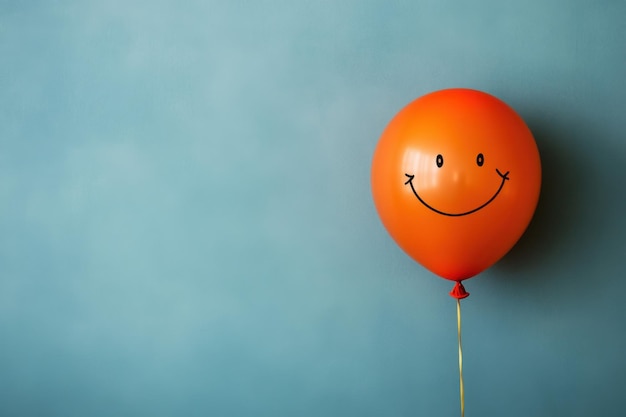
<point>458,291</point>
<point>461,385</point>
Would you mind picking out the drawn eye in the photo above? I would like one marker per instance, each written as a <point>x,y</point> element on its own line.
<point>439,160</point>
<point>480,159</point>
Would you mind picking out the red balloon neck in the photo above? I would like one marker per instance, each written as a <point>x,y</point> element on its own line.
<point>458,291</point>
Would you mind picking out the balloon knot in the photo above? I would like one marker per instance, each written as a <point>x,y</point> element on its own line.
<point>458,291</point>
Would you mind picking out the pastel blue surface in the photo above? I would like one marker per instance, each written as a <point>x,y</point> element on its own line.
<point>187,229</point>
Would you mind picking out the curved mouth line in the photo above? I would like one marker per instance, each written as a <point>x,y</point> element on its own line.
<point>504,177</point>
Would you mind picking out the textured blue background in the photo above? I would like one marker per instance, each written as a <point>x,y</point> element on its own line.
<point>186,225</point>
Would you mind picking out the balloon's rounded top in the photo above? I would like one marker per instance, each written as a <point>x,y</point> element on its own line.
<point>455,180</point>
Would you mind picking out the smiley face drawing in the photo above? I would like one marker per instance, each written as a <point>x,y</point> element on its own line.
<point>480,159</point>
<point>455,179</point>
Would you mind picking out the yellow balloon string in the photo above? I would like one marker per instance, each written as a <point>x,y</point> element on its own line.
<point>462,390</point>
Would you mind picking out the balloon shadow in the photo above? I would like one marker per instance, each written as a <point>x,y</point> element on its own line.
<point>561,207</point>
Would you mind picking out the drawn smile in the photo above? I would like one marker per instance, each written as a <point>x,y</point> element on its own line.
<point>504,177</point>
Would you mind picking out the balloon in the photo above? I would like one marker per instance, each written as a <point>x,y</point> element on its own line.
<point>455,179</point>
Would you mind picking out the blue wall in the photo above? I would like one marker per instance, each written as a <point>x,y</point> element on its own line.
<point>186,224</point>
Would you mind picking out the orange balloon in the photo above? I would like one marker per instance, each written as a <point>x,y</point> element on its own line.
<point>456,177</point>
